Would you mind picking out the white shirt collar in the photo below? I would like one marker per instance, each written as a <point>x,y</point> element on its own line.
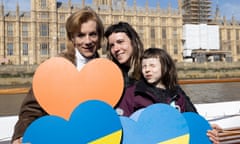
<point>80,59</point>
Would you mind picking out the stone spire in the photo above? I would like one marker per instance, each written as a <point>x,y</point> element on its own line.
<point>180,6</point>
<point>17,9</point>
<point>1,8</point>
<point>135,5</point>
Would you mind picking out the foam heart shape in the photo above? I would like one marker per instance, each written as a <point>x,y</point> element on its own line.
<point>158,124</point>
<point>59,87</point>
<point>92,122</point>
<point>198,127</point>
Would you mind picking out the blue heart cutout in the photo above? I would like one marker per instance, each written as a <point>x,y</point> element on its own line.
<point>154,124</point>
<point>90,121</point>
<point>94,119</point>
<point>198,127</point>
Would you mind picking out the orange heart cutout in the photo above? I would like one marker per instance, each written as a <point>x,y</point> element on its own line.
<point>59,87</point>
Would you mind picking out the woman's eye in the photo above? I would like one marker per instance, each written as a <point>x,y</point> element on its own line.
<point>93,34</point>
<point>80,35</point>
<point>110,46</point>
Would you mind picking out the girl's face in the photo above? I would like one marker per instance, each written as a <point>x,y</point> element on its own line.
<point>151,70</point>
<point>121,47</point>
<point>87,39</point>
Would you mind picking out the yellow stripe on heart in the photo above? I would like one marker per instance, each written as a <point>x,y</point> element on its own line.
<point>114,138</point>
<point>184,139</point>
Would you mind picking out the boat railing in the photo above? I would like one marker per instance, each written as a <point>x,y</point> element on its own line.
<point>181,82</point>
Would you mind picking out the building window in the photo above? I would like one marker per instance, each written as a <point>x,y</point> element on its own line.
<point>152,33</point>
<point>116,19</point>
<point>238,49</point>
<point>175,49</point>
<point>44,49</point>
<point>153,45</point>
<point>62,31</point>
<point>140,20</point>
<point>164,21</point>
<point>229,47</point>
<point>43,4</point>
<point>25,30</point>
<point>221,35</point>
<point>174,33</point>
<point>10,49</point>
<point>103,18</point>
<point>43,29</point>
<point>10,29</point>
<point>164,33</point>
<point>237,34</point>
<point>152,20</point>
<point>129,19</point>
<point>164,47</point>
<point>62,17</point>
<point>62,47</point>
<point>228,34</point>
<point>25,49</point>
<point>140,31</point>
<point>174,22</point>
<point>43,15</point>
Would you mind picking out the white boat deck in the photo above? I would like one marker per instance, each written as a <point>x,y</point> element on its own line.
<point>6,128</point>
<point>225,114</point>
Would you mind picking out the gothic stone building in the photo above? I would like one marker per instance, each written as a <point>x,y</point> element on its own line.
<point>30,37</point>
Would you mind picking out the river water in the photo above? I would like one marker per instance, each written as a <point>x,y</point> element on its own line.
<point>213,92</point>
<point>199,93</point>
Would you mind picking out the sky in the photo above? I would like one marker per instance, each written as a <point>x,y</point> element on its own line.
<point>228,8</point>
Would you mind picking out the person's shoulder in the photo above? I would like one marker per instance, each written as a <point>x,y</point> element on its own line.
<point>63,54</point>
<point>180,90</point>
<point>131,87</point>
<point>67,56</point>
<point>178,87</point>
<point>130,90</point>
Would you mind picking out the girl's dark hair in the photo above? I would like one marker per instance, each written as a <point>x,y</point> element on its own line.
<point>168,68</point>
<point>135,42</point>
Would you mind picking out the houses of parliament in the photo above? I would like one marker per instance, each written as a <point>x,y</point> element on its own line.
<point>30,37</point>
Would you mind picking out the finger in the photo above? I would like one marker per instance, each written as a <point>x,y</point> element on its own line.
<point>17,141</point>
<point>213,136</point>
<point>216,127</point>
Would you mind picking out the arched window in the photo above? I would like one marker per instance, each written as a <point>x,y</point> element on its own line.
<point>43,4</point>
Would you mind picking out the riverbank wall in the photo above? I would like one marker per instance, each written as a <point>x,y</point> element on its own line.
<point>23,74</point>
<point>210,70</point>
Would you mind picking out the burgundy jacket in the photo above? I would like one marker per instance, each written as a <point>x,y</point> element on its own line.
<point>142,95</point>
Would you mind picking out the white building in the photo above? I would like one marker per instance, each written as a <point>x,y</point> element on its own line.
<point>200,37</point>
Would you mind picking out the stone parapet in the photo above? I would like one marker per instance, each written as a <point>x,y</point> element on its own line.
<point>22,75</point>
<point>211,70</point>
